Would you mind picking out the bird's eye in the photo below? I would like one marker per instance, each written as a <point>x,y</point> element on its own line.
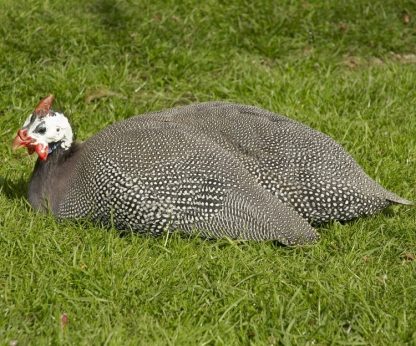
<point>41,128</point>
<point>58,129</point>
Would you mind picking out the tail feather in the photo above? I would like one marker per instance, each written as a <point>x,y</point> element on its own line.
<point>398,200</point>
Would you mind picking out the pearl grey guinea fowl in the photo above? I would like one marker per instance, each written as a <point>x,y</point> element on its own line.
<point>219,168</point>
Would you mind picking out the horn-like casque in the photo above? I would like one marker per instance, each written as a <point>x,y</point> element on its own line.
<point>44,106</point>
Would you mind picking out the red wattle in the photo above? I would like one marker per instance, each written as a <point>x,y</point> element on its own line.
<point>42,151</point>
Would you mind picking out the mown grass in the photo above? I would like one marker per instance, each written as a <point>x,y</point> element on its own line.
<point>345,68</point>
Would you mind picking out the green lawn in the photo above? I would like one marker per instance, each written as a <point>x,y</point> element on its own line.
<point>347,68</point>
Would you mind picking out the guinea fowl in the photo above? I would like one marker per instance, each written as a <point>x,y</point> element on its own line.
<point>218,168</point>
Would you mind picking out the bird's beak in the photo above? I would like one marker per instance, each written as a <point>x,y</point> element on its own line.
<point>21,140</point>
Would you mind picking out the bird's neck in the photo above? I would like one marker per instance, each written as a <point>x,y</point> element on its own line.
<point>50,177</point>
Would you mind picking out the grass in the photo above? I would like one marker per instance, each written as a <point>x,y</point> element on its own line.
<point>345,68</point>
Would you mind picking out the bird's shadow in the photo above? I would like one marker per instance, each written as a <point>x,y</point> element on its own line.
<point>13,189</point>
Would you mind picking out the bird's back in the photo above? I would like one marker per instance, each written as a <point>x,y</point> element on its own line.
<point>302,167</point>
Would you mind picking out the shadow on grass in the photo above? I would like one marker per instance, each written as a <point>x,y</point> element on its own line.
<point>113,18</point>
<point>195,237</point>
<point>13,189</point>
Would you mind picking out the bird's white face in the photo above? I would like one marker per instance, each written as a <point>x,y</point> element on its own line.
<point>44,130</point>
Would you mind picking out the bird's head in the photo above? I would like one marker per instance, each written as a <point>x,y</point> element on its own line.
<point>44,130</point>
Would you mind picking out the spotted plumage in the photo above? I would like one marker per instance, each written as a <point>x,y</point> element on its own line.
<point>220,169</point>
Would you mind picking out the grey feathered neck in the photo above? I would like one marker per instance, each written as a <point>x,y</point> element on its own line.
<point>50,176</point>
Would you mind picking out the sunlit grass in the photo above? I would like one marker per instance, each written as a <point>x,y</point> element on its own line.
<point>346,69</point>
